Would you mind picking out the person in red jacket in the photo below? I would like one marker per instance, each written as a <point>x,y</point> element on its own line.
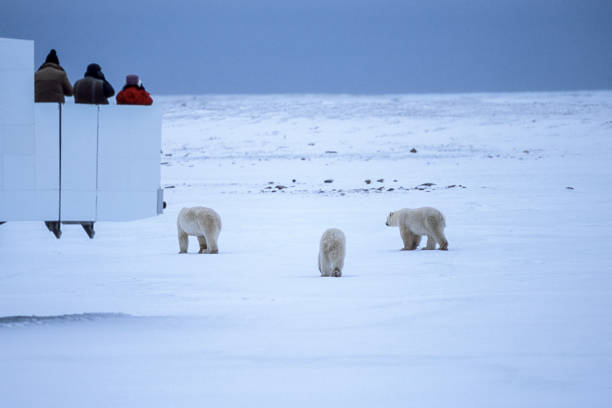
<point>133,93</point>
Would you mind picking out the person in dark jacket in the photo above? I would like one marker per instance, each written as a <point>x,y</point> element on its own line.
<point>50,81</point>
<point>133,93</point>
<point>93,88</point>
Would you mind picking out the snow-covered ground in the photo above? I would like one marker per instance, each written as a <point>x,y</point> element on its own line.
<point>515,314</point>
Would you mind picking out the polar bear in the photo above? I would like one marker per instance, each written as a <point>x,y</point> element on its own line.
<point>419,221</point>
<point>331,252</point>
<point>202,222</point>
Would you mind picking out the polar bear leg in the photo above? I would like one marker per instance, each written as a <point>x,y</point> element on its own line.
<point>431,242</point>
<point>211,240</point>
<point>442,240</point>
<point>407,237</point>
<point>323,265</point>
<point>416,240</point>
<point>320,270</point>
<point>327,267</point>
<point>337,272</point>
<point>183,241</point>
<point>202,241</point>
<point>437,232</point>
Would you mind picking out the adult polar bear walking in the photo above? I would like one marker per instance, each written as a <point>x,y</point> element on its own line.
<point>419,221</point>
<point>331,253</point>
<point>202,222</point>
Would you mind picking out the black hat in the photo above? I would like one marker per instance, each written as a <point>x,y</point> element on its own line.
<point>93,68</point>
<point>95,71</point>
<point>52,57</point>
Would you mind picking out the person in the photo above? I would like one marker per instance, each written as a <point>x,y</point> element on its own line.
<point>93,87</point>
<point>51,82</point>
<point>133,93</point>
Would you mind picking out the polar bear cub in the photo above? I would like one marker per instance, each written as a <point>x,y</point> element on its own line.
<point>419,221</point>
<point>331,252</point>
<point>202,222</point>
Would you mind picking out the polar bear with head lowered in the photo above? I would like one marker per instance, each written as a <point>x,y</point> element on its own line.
<point>419,221</point>
<point>202,222</point>
<point>332,249</point>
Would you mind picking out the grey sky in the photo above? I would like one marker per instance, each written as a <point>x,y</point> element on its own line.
<point>348,46</point>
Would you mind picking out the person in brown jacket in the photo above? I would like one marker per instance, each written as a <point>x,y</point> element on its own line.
<point>93,88</point>
<point>51,82</point>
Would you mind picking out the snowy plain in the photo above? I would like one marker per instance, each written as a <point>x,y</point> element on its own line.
<point>516,313</point>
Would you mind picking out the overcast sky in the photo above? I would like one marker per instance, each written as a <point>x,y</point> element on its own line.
<point>346,46</point>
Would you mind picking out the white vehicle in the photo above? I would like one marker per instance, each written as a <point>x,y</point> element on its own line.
<point>73,164</point>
